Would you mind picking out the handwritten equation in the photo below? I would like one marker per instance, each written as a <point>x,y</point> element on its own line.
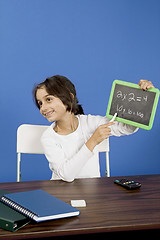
<point>132,105</point>
<point>130,97</point>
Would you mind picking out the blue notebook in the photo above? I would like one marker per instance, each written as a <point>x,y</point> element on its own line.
<point>39,205</point>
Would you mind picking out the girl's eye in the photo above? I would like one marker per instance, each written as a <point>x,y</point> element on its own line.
<point>49,99</point>
<point>39,103</point>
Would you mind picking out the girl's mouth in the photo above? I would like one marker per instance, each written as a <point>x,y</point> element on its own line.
<point>48,114</point>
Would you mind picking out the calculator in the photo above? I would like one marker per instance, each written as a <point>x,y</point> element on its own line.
<point>129,184</point>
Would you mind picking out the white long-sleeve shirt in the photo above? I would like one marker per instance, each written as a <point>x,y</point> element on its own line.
<point>68,155</point>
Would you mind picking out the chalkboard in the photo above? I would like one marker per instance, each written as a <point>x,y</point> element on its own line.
<point>133,105</point>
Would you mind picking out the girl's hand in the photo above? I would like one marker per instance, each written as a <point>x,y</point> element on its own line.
<point>101,133</point>
<point>145,84</point>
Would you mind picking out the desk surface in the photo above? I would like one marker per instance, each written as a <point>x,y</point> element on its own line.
<point>109,207</point>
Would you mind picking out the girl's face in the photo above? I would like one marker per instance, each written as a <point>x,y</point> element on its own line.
<point>52,108</point>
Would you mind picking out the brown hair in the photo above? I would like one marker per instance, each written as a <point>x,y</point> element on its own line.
<point>64,89</point>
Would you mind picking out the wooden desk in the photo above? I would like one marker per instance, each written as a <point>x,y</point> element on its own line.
<point>110,208</point>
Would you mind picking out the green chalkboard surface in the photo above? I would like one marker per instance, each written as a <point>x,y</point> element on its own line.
<point>133,105</point>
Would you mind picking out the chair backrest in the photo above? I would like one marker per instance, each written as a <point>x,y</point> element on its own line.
<point>28,141</point>
<point>103,146</point>
<point>28,138</point>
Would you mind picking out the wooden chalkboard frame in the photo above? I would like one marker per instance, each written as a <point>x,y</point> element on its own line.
<point>135,124</point>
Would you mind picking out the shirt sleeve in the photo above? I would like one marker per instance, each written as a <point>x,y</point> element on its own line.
<point>121,129</point>
<point>65,169</point>
<point>118,129</point>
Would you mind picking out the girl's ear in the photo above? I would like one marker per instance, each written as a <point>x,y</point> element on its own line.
<point>72,96</point>
<point>72,101</point>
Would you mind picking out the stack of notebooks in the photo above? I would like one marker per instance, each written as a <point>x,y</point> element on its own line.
<point>18,209</point>
<point>9,218</point>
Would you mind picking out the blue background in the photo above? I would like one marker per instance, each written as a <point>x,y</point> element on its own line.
<point>92,42</point>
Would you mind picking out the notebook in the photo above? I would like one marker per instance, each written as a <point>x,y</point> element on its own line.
<point>39,205</point>
<point>10,219</point>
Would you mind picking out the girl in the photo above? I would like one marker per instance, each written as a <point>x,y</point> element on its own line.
<point>70,143</point>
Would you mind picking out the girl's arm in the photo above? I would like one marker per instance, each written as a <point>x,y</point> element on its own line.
<point>100,134</point>
<point>64,168</point>
<point>119,129</point>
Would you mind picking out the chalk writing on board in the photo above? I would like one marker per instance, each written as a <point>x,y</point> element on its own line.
<point>120,108</point>
<point>132,104</point>
<point>130,97</point>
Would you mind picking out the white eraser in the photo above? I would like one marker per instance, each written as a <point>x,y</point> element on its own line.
<point>78,203</point>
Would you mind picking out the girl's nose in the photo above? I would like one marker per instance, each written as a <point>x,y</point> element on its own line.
<point>43,107</point>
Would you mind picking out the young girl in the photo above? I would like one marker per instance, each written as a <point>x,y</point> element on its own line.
<point>70,142</point>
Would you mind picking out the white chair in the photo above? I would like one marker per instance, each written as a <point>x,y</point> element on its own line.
<point>104,147</point>
<point>28,141</point>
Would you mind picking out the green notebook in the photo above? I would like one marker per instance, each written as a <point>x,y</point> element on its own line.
<point>10,219</point>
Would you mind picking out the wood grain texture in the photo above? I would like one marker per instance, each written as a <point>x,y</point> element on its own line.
<point>110,208</point>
